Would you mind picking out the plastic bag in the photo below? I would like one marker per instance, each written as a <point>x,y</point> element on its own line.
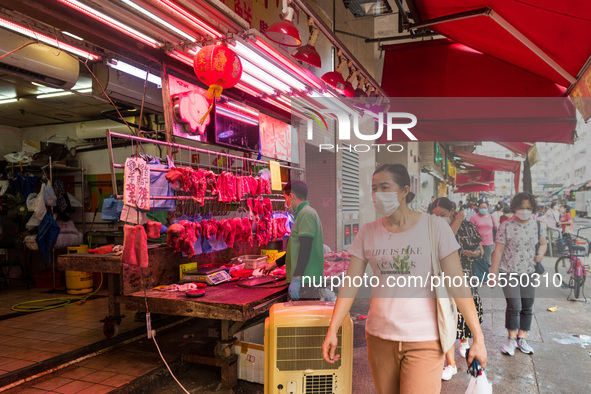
<point>49,196</point>
<point>111,209</point>
<point>39,208</point>
<point>479,385</point>
<point>159,186</point>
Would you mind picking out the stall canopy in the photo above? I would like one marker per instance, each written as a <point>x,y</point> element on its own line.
<point>497,119</point>
<point>476,188</point>
<point>445,68</point>
<point>490,164</point>
<point>545,37</point>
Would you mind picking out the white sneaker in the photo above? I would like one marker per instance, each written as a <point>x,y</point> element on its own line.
<point>463,347</point>
<point>509,347</point>
<point>448,372</point>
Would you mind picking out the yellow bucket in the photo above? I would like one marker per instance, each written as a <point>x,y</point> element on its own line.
<point>78,249</point>
<point>79,282</point>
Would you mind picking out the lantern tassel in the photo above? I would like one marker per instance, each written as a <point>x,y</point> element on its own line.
<point>214,92</point>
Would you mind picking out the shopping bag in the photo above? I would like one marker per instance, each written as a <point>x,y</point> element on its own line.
<point>479,385</point>
<point>111,210</point>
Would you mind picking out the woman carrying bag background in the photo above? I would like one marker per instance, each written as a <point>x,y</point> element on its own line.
<point>470,248</point>
<point>405,342</point>
<point>516,252</point>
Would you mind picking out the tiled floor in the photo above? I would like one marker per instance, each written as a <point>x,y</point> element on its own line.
<point>36,337</point>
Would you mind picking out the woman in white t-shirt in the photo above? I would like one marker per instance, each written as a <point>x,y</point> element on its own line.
<point>404,351</point>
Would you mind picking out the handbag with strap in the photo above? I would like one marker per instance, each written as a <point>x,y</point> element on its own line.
<point>447,312</point>
<point>494,228</point>
<point>539,267</point>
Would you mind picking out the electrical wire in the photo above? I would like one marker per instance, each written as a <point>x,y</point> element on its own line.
<point>62,301</point>
<point>153,334</point>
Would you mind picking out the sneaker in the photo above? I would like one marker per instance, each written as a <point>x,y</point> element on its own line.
<point>448,372</point>
<point>509,347</point>
<point>463,347</point>
<point>524,346</point>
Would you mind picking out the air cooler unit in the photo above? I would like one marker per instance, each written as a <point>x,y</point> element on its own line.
<point>294,332</point>
<point>37,62</point>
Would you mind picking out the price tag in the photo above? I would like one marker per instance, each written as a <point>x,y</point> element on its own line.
<point>275,175</point>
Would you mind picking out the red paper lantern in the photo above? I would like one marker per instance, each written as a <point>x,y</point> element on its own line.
<point>219,68</point>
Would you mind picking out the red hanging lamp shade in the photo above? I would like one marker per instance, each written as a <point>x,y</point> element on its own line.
<point>218,67</point>
<point>349,90</point>
<point>308,53</point>
<point>284,32</point>
<point>335,80</point>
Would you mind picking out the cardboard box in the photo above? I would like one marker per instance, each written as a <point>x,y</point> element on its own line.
<point>251,361</point>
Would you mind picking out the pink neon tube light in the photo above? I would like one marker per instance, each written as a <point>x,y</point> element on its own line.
<point>111,22</point>
<point>269,50</point>
<point>48,40</point>
<point>182,13</point>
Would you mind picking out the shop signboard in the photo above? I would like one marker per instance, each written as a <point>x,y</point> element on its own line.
<point>581,94</point>
<point>347,234</point>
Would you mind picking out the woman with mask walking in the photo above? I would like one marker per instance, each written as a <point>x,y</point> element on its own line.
<point>470,248</point>
<point>520,244</point>
<point>486,225</point>
<point>404,347</point>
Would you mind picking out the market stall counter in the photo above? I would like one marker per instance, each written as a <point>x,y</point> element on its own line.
<point>232,303</point>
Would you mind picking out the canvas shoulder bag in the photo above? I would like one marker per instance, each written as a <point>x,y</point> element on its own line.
<point>447,312</point>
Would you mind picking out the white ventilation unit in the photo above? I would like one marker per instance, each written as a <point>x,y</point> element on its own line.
<point>37,62</point>
<point>294,332</point>
<point>126,88</point>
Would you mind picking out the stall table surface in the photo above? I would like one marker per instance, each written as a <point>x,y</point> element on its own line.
<point>232,305</point>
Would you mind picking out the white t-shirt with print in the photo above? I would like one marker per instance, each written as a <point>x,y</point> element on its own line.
<point>520,241</point>
<point>393,314</point>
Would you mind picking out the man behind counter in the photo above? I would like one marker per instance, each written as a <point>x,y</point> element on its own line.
<point>305,253</point>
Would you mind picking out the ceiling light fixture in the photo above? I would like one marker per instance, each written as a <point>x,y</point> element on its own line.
<point>263,76</point>
<point>255,83</point>
<point>182,57</point>
<point>308,53</point>
<point>247,90</point>
<point>277,104</point>
<point>136,72</point>
<point>275,55</point>
<point>47,40</point>
<point>159,20</point>
<point>268,67</point>
<point>63,93</point>
<point>8,101</point>
<point>188,17</point>
<point>107,20</point>
<point>284,32</point>
<point>73,36</point>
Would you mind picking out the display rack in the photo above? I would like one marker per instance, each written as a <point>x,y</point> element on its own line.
<point>235,164</point>
<point>55,168</point>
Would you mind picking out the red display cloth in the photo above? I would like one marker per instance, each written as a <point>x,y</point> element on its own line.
<point>557,27</point>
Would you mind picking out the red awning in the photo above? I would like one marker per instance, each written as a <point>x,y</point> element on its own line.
<point>481,176</point>
<point>519,148</point>
<point>475,188</point>
<point>557,28</point>
<point>511,119</point>
<point>492,164</point>
<point>445,68</point>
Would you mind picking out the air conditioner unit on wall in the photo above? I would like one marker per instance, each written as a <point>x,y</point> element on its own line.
<point>97,129</point>
<point>294,332</point>
<point>37,62</point>
<point>125,88</point>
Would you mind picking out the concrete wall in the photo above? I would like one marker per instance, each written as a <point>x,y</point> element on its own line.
<point>11,140</point>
